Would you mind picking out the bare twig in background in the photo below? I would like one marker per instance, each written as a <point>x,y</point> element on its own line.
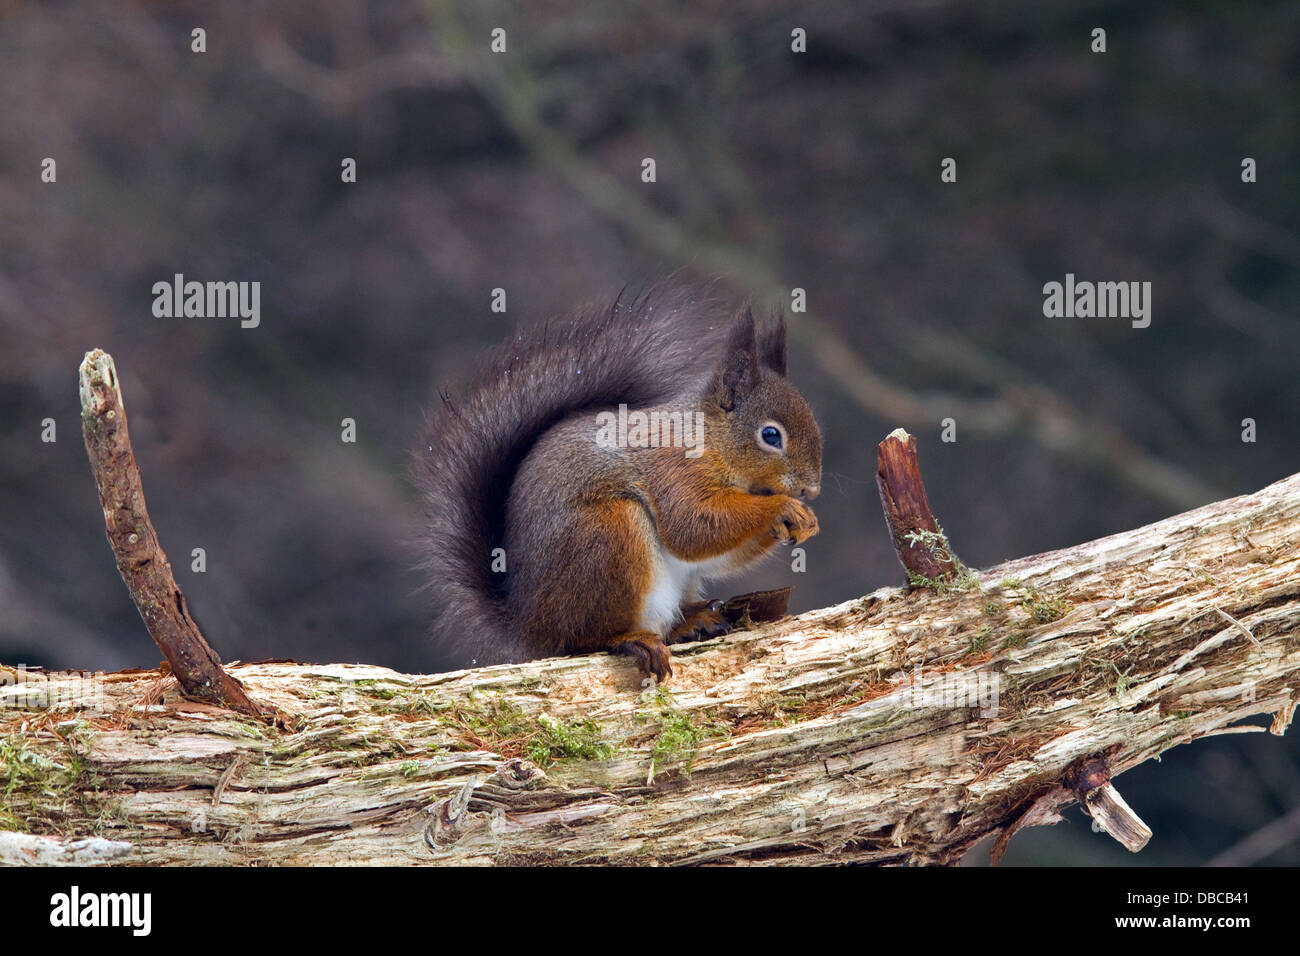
<point>1032,411</point>
<point>140,558</point>
<point>1244,230</point>
<point>1264,842</point>
<point>343,90</point>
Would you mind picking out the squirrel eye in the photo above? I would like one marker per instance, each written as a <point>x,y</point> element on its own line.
<point>771,436</point>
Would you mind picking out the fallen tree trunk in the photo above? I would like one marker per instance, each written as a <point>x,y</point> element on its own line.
<point>901,727</point>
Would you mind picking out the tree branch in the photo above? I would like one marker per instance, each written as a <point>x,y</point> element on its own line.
<point>921,546</point>
<point>901,727</point>
<point>140,558</point>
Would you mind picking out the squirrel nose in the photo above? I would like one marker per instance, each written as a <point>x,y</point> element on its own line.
<point>809,492</point>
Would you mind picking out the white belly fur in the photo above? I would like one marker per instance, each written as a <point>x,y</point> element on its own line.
<point>675,582</point>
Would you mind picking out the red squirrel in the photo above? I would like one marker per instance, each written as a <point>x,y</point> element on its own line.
<point>559,524</point>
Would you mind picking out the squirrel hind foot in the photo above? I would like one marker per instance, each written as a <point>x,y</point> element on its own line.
<point>652,655</point>
<point>700,624</point>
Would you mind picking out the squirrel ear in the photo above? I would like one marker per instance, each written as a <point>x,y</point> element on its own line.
<point>771,344</point>
<point>737,374</point>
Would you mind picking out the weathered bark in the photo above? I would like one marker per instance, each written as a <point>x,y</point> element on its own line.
<point>844,735</point>
<point>922,549</point>
<point>140,558</point>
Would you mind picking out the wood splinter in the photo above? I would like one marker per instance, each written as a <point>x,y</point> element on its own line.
<point>140,558</point>
<point>1090,782</point>
<point>920,544</point>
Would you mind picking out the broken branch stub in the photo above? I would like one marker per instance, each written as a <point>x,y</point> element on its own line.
<point>140,558</point>
<point>919,543</point>
<point>1090,782</point>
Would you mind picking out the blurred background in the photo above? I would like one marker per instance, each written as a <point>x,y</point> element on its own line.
<point>775,170</point>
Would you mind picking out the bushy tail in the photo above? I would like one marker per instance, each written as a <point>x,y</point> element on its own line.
<point>641,352</point>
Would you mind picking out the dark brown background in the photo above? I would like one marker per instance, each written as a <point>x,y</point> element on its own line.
<point>522,171</point>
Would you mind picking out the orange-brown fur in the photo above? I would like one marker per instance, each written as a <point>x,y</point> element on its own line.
<point>701,514</point>
<point>606,547</point>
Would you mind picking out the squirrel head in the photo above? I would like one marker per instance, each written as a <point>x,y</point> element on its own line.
<point>760,422</point>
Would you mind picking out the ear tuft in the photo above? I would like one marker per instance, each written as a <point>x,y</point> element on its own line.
<point>737,373</point>
<point>771,344</point>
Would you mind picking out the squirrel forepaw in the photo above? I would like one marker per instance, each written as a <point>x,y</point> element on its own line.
<point>700,623</point>
<point>651,654</point>
<point>795,522</point>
